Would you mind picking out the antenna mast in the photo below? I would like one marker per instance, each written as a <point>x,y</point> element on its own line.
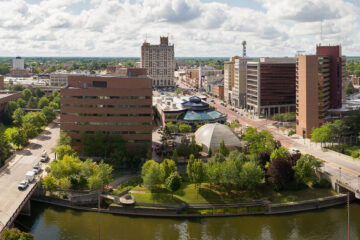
<point>244,48</point>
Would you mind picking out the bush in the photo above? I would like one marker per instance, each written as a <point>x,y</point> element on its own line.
<point>291,132</point>
<point>322,183</point>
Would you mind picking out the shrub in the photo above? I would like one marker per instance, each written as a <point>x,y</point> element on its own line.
<point>322,183</point>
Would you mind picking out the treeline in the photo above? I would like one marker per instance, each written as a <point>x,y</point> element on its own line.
<point>217,63</point>
<point>353,66</point>
<point>21,126</point>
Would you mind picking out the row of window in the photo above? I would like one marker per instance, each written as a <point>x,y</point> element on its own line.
<point>109,97</point>
<point>108,114</point>
<point>127,141</point>
<point>108,132</point>
<point>110,123</point>
<point>105,106</point>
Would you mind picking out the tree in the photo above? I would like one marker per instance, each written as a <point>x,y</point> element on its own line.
<point>214,172</point>
<point>65,150</point>
<point>175,155</point>
<point>21,102</point>
<point>36,119</point>
<point>322,134</point>
<point>18,137</point>
<point>9,110</point>
<point>49,183</point>
<point>4,146</point>
<point>305,168</point>
<point>43,102</point>
<point>185,128</point>
<point>280,152</point>
<point>32,102</point>
<point>173,182</point>
<point>218,157</point>
<point>63,140</point>
<point>152,177</point>
<point>251,175</point>
<point>105,173</point>
<point>65,183</point>
<point>259,141</point>
<point>39,93</point>
<point>147,165</point>
<point>15,234</point>
<point>264,158</point>
<point>280,172</point>
<point>18,116</point>
<point>67,167</point>
<point>196,171</point>
<point>172,127</point>
<point>26,94</point>
<point>29,130</point>
<point>167,167</point>
<point>49,113</point>
<point>223,149</point>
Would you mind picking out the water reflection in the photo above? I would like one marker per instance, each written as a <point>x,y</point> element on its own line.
<point>49,222</point>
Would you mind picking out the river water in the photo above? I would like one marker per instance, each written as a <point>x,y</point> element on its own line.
<point>54,223</point>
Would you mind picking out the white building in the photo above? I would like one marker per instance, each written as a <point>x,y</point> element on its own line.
<point>18,63</point>
<point>58,79</point>
<point>159,62</point>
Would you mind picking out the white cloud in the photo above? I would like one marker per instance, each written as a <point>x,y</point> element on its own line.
<point>118,27</point>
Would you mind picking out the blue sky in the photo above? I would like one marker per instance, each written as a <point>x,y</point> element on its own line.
<point>198,28</point>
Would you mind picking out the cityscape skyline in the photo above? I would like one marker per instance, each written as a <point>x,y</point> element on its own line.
<point>112,28</point>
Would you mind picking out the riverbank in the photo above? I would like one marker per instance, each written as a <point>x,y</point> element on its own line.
<point>205,210</point>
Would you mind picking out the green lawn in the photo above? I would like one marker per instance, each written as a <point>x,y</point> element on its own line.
<point>187,193</point>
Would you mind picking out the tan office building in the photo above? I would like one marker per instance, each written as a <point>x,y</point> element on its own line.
<point>112,104</point>
<point>159,62</point>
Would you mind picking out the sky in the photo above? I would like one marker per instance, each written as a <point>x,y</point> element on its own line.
<point>197,28</point>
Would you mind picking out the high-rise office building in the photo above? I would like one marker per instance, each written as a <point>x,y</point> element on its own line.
<point>338,70</point>
<point>270,86</point>
<point>111,104</point>
<point>2,86</point>
<point>239,87</point>
<point>318,87</point>
<point>159,62</point>
<point>18,63</point>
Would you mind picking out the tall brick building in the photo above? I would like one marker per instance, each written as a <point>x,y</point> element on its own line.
<point>115,105</point>
<point>159,62</point>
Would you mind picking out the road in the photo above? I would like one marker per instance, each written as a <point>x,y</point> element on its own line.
<point>10,196</point>
<point>341,167</point>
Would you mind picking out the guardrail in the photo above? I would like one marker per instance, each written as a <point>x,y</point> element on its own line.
<point>18,210</point>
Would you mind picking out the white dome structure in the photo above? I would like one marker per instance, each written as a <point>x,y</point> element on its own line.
<point>210,136</point>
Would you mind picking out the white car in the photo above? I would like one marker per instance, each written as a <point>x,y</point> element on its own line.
<point>23,185</point>
<point>36,168</point>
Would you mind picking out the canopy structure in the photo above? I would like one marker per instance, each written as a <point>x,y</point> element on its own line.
<point>211,135</point>
<point>205,115</point>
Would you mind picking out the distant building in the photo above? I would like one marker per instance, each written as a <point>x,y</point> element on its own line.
<point>5,97</point>
<point>159,62</point>
<point>218,90</point>
<point>58,79</point>
<point>2,86</point>
<point>238,97</point>
<point>18,63</point>
<point>319,89</point>
<point>271,84</point>
<point>111,104</point>
<point>190,110</point>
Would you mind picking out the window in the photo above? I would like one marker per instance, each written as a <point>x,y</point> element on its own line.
<point>100,84</point>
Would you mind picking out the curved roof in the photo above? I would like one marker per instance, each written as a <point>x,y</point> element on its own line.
<point>211,136</point>
<point>195,102</point>
<point>206,115</point>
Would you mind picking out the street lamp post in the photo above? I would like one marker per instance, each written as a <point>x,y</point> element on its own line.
<point>340,173</point>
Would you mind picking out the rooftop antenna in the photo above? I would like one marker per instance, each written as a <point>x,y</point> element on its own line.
<point>244,48</point>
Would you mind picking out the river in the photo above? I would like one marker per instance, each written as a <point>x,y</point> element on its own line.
<point>55,223</point>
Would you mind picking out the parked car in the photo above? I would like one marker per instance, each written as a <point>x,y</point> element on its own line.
<point>44,158</point>
<point>23,185</point>
<point>37,168</point>
<point>237,121</point>
<point>30,176</point>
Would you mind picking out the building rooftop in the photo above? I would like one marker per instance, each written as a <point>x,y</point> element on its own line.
<point>205,115</point>
<point>4,93</point>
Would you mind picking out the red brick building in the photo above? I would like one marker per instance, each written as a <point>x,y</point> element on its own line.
<point>111,104</point>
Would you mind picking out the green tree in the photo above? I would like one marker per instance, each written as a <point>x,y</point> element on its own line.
<point>175,155</point>
<point>21,102</point>
<point>15,234</point>
<point>214,172</point>
<point>305,168</point>
<point>65,183</point>
<point>196,171</point>
<point>26,94</point>
<point>18,116</point>
<point>167,167</point>
<point>49,113</point>
<point>259,141</point>
<point>172,127</point>
<point>280,152</point>
<point>322,134</point>
<point>4,146</point>
<point>64,139</point>
<point>43,102</point>
<point>251,175</point>
<point>223,149</point>
<point>173,182</point>
<point>147,165</point>
<point>152,177</point>
<point>18,138</point>
<point>49,183</point>
<point>29,130</point>
<point>65,150</point>
<point>9,110</point>
<point>185,128</point>
<point>32,102</point>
